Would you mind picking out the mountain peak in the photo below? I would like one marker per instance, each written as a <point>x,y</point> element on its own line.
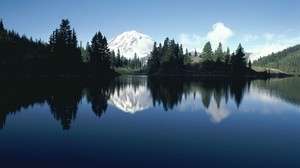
<point>131,42</point>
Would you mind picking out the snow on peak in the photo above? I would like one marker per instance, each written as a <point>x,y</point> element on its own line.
<point>132,42</point>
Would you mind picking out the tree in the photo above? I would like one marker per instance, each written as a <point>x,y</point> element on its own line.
<point>135,61</point>
<point>249,64</point>
<point>1,26</point>
<point>86,53</point>
<point>238,59</point>
<point>227,56</point>
<point>153,63</point>
<point>63,47</point>
<point>118,59</point>
<point>219,55</point>
<point>99,51</point>
<point>207,52</point>
<point>113,58</point>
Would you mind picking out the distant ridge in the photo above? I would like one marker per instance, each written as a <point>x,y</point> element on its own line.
<point>287,60</point>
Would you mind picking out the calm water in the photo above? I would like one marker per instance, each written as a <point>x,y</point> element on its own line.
<point>150,122</point>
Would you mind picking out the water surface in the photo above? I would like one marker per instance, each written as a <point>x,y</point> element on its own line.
<point>138,121</point>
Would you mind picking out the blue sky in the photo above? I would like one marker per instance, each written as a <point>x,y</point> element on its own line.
<point>261,26</point>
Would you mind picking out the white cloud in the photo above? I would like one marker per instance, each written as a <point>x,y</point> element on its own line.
<point>273,43</point>
<point>191,41</point>
<point>216,113</point>
<point>266,49</point>
<point>249,37</point>
<point>219,33</point>
<point>269,36</point>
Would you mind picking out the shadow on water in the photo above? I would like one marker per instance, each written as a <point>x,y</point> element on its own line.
<point>63,96</point>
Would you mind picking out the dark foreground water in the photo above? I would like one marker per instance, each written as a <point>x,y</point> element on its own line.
<point>150,122</point>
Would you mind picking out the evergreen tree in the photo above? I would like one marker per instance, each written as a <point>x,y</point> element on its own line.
<point>1,26</point>
<point>99,51</point>
<point>219,55</point>
<point>186,52</point>
<point>135,61</point>
<point>63,46</point>
<point>249,64</point>
<point>238,60</point>
<point>86,53</point>
<point>118,63</point>
<point>227,56</point>
<point>153,63</point>
<point>207,52</point>
<point>113,58</point>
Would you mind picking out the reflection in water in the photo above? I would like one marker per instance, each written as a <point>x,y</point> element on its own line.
<point>132,94</point>
<point>63,100</point>
<point>217,112</point>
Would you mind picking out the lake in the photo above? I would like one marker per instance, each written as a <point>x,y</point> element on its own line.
<point>139,121</point>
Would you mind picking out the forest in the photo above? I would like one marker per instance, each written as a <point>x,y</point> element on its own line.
<point>287,60</point>
<point>61,56</point>
<point>169,58</point>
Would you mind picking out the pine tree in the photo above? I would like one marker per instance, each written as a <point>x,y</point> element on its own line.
<point>227,56</point>
<point>63,47</point>
<point>119,63</point>
<point>238,60</point>
<point>99,51</point>
<point>219,53</point>
<point>207,52</point>
<point>249,64</point>
<point>113,58</point>
<point>153,63</point>
<point>1,26</point>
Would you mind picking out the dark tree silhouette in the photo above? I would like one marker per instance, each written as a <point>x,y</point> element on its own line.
<point>238,60</point>
<point>99,52</point>
<point>64,100</point>
<point>66,55</point>
<point>97,96</point>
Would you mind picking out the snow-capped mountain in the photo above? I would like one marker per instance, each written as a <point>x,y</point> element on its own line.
<point>132,42</point>
<point>131,100</point>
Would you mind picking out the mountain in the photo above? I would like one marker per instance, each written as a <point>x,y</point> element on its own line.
<point>131,99</point>
<point>287,60</point>
<point>132,42</point>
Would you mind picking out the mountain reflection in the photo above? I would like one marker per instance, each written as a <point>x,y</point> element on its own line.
<point>129,94</point>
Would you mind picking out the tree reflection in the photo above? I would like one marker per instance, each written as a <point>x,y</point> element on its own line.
<point>167,91</point>
<point>64,95</point>
<point>18,94</point>
<point>63,101</point>
<point>97,95</point>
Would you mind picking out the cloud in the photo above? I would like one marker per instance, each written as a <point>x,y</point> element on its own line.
<point>266,49</point>
<point>272,43</point>
<point>216,113</point>
<point>249,37</point>
<point>191,41</point>
<point>220,33</point>
<point>269,36</point>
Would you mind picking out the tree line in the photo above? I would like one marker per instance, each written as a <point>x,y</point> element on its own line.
<point>169,58</point>
<point>287,60</point>
<point>61,55</point>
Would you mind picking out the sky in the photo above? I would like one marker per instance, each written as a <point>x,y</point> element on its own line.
<point>261,26</point>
